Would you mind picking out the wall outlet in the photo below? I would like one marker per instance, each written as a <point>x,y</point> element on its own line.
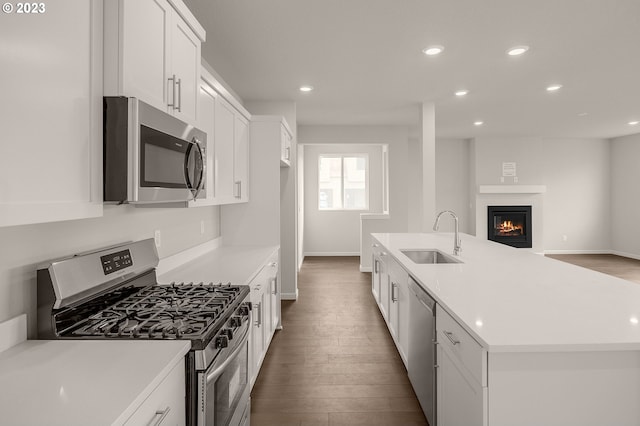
<point>202,227</point>
<point>515,179</point>
<point>564,238</point>
<point>157,237</point>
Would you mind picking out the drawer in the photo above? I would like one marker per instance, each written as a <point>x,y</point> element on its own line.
<point>166,402</point>
<point>464,348</point>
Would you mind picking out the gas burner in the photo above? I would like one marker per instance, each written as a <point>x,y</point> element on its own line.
<point>174,311</point>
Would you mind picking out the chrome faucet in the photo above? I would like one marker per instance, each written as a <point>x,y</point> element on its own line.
<point>456,243</point>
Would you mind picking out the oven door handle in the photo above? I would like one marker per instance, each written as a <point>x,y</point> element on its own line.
<point>218,370</point>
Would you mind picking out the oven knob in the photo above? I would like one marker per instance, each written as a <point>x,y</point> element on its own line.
<point>244,310</point>
<point>227,332</point>
<point>235,321</point>
<point>222,342</point>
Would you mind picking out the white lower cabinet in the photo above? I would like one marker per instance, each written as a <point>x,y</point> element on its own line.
<point>461,375</point>
<point>265,302</point>
<point>166,404</point>
<point>390,288</point>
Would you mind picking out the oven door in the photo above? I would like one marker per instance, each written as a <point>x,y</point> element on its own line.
<point>224,386</point>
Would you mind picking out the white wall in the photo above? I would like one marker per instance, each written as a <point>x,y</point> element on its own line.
<point>396,137</point>
<point>625,195</point>
<point>577,175</point>
<point>24,248</point>
<point>337,232</point>
<point>452,183</point>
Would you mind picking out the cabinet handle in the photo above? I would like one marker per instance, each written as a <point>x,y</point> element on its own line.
<point>258,322</point>
<point>275,286</point>
<point>179,84</point>
<point>161,416</point>
<point>384,253</point>
<point>273,264</point>
<point>374,245</point>
<point>393,292</point>
<point>172,79</point>
<point>375,266</point>
<point>239,188</point>
<point>288,154</point>
<point>449,336</point>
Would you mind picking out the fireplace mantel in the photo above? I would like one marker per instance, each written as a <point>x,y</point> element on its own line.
<point>512,189</point>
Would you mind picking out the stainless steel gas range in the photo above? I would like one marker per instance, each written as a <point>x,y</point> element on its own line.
<point>113,293</point>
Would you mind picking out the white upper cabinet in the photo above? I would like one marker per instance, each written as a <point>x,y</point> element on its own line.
<point>241,159</point>
<point>51,114</point>
<point>226,123</point>
<point>285,145</point>
<point>152,52</point>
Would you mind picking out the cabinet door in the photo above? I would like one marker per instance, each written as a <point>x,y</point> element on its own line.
<point>185,66</point>
<point>51,114</point>
<point>285,147</point>
<point>460,399</point>
<point>241,159</point>
<point>224,131</point>
<point>257,331</point>
<point>145,44</point>
<point>206,117</point>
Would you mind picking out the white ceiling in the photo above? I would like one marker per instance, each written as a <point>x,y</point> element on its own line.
<point>365,61</point>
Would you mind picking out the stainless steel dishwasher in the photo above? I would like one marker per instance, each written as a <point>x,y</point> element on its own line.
<point>421,360</point>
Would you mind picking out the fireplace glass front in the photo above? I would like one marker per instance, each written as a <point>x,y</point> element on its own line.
<point>510,225</point>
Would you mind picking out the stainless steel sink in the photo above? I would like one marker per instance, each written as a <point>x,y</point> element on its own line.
<point>429,256</point>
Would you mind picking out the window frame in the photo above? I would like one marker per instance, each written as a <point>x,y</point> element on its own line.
<point>342,157</point>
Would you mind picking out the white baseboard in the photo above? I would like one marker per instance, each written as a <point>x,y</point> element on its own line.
<point>289,296</point>
<point>366,268</point>
<point>623,254</point>
<point>171,262</point>
<point>337,253</point>
<point>578,252</point>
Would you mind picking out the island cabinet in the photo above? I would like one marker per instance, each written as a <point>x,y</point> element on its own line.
<point>461,378</point>
<point>390,288</point>
<point>51,143</point>
<point>265,313</point>
<point>398,319</point>
<point>152,52</point>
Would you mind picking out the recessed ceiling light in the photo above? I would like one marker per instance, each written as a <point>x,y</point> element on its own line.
<point>554,87</point>
<point>461,92</point>
<point>432,50</point>
<point>633,123</point>
<point>583,114</point>
<point>478,123</point>
<point>306,88</point>
<point>517,50</point>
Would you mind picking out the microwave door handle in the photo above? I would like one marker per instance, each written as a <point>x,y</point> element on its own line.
<point>202,169</point>
<point>195,143</point>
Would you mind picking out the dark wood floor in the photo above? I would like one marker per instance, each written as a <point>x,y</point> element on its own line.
<point>334,362</point>
<point>618,266</point>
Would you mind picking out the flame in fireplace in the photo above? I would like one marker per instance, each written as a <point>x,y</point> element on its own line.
<point>507,227</point>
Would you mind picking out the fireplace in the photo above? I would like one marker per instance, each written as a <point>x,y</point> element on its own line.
<point>510,225</point>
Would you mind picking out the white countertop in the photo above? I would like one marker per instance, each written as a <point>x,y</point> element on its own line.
<point>512,300</point>
<point>81,382</point>
<point>235,264</point>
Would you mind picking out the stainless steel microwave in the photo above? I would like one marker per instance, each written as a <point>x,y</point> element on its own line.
<point>150,156</point>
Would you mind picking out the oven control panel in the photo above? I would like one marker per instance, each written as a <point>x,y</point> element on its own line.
<point>116,261</point>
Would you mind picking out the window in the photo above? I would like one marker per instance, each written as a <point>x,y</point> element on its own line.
<point>343,182</point>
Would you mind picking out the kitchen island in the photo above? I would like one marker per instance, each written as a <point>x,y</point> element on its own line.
<point>533,341</point>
